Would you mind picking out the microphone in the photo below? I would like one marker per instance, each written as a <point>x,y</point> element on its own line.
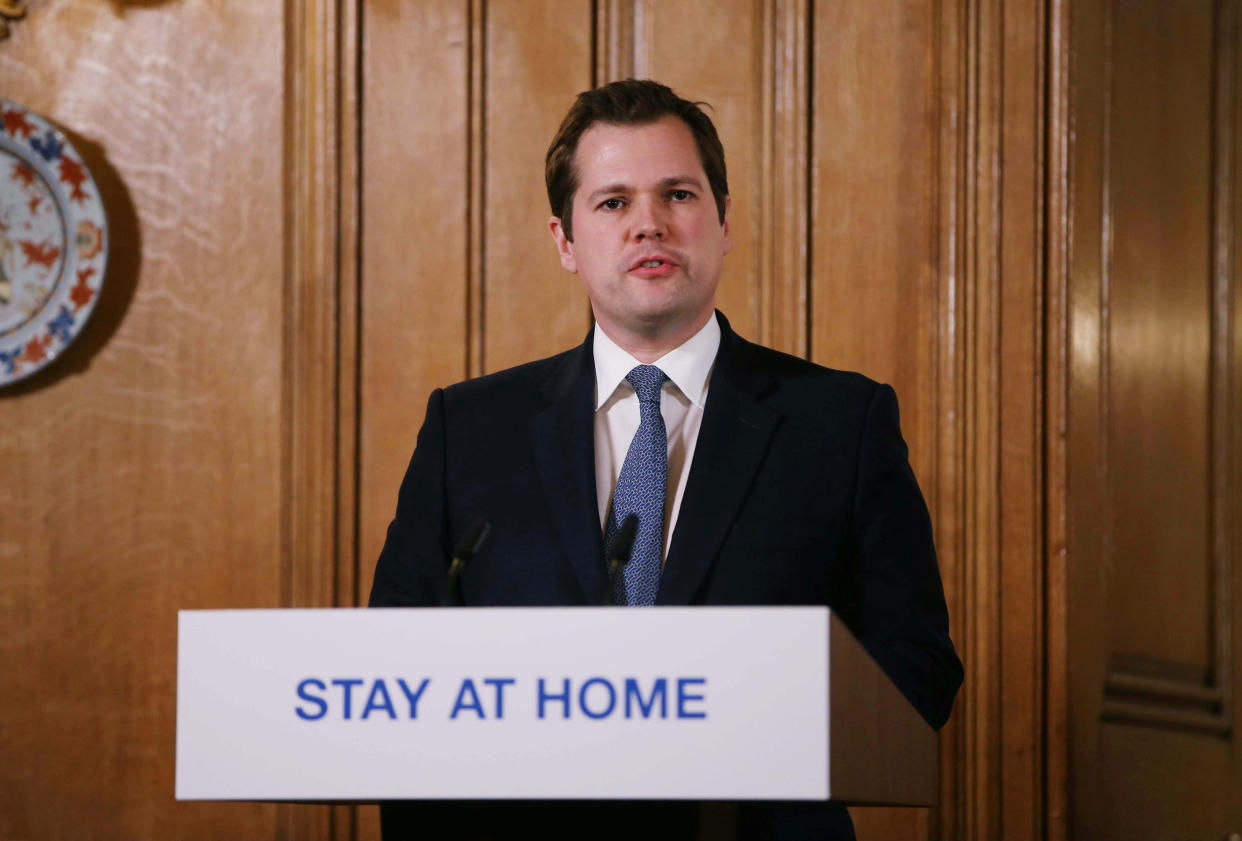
<point>622,546</point>
<point>466,549</point>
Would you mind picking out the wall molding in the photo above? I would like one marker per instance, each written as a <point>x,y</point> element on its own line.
<point>994,192</point>
<point>785,177</point>
<point>1224,264</point>
<point>1168,699</point>
<point>953,103</point>
<point>476,180</point>
<point>319,564</point>
<point>614,41</point>
<point>312,305</point>
<point>1057,226</point>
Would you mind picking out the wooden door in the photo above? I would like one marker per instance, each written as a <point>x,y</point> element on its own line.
<point>1154,582</point>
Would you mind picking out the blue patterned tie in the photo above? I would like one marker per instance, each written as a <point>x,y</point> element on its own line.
<point>640,490</point>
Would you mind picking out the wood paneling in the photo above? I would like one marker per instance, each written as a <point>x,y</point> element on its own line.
<point>413,323</point>
<point>143,471</point>
<point>927,251</point>
<point>538,57</point>
<point>321,211</point>
<point>873,296</point>
<point>1157,386</point>
<point>1149,469</point>
<point>753,74</point>
<point>873,244</point>
<point>320,339</point>
<point>725,69</point>
<point>1056,641</point>
<point>782,211</point>
<point>1018,416</point>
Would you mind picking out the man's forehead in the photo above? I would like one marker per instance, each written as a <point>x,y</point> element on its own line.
<point>638,156</point>
<point>620,137</point>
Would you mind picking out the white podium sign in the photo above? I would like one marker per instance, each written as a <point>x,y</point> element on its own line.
<point>504,703</point>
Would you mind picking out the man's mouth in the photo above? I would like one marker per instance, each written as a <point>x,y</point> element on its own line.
<point>653,268</point>
<point>652,263</point>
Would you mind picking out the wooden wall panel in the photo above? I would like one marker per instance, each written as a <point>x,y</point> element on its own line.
<point>537,58</point>
<point>873,244</point>
<point>414,323</point>
<point>1018,418</point>
<point>1082,505</point>
<point>886,161</point>
<point>1151,473</point>
<point>1157,382</point>
<point>1159,330</point>
<point>752,71</point>
<point>1056,639</point>
<point>873,297</point>
<point>725,69</point>
<point>927,265</point>
<point>320,346</point>
<point>143,470</point>
<point>1228,433</point>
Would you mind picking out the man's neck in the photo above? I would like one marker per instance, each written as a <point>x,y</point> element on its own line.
<point>648,347</point>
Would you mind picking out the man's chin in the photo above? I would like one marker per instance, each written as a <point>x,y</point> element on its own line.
<point>665,320</point>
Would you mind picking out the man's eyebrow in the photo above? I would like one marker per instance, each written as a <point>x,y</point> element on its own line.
<point>608,188</point>
<point>670,181</point>
<point>674,180</point>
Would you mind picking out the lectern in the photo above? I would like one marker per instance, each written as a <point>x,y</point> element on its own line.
<point>767,703</point>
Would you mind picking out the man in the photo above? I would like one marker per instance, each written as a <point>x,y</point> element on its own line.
<point>756,477</point>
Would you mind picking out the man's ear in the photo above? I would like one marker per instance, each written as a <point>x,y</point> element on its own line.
<point>564,248</point>
<point>728,238</point>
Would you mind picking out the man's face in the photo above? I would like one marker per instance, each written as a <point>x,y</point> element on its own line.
<point>648,242</point>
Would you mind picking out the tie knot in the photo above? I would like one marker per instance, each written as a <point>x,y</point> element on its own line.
<point>647,380</point>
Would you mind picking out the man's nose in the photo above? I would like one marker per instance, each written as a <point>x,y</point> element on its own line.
<point>649,221</point>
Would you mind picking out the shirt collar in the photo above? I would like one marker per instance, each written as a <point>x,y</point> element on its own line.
<point>688,366</point>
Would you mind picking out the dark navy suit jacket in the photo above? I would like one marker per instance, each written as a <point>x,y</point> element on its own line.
<point>800,493</point>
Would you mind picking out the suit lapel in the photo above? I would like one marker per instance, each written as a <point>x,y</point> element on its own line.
<point>731,445</point>
<point>564,441</point>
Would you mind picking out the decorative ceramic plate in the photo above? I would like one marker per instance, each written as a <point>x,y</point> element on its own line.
<point>53,243</point>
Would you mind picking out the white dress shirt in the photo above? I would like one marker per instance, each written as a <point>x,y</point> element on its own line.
<point>688,367</point>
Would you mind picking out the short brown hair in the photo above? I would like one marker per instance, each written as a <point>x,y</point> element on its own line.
<point>631,102</point>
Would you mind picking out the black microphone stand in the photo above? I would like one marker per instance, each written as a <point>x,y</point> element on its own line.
<point>622,547</point>
<point>466,549</point>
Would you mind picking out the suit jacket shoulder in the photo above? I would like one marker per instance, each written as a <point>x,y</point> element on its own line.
<point>525,386</point>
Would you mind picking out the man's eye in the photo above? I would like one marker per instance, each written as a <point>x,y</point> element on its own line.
<point>613,204</point>
<point>680,195</point>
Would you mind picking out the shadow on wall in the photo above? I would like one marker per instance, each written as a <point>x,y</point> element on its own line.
<point>120,6</point>
<point>121,278</point>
